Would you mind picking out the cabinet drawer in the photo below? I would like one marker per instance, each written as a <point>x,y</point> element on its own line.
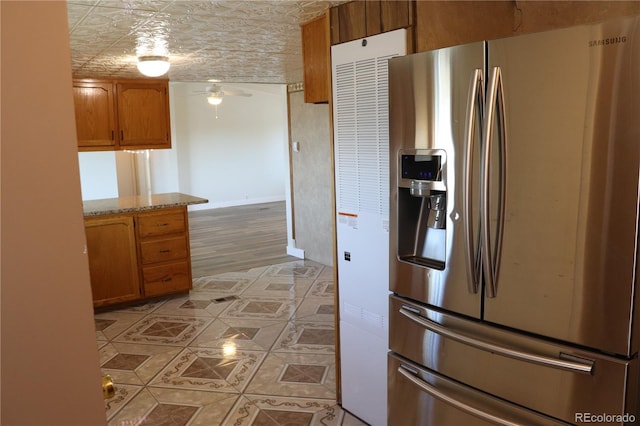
<point>162,250</point>
<point>166,279</point>
<point>150,224</point>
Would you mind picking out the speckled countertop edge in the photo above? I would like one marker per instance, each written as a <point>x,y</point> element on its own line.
<point>139,203</point>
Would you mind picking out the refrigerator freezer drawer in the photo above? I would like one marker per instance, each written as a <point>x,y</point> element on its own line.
<point>547,377</point>
<point>421,397</point>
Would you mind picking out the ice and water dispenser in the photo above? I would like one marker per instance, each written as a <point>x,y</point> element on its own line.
<point>422,208</point>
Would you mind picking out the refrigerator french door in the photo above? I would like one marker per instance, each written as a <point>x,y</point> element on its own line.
<point>514,222</point>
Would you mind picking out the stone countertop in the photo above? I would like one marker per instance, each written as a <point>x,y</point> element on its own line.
<point>139,203</point>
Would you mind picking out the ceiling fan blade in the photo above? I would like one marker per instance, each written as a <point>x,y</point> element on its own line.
<point>236,93</point>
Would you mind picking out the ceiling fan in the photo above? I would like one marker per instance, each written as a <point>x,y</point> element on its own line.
<point>216,93</point>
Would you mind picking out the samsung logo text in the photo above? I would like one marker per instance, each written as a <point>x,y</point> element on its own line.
<point>608,41</point>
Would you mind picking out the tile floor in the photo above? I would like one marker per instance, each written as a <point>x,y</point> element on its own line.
<point>242,348</point>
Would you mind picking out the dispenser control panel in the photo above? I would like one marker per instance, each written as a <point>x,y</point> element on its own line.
<point>421,167</point>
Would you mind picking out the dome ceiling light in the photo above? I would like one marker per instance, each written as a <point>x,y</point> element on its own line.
<point>153,66</point>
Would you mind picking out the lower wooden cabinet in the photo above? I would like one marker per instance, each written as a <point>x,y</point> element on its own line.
<point>138,255</point>
<point>166,278</point>
<point>113,259</point>
<point>164,255</point>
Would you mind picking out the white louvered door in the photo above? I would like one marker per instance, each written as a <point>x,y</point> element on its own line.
<point>361,149</point>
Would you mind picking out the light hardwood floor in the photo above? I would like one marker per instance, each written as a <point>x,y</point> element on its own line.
<point>233,239</point>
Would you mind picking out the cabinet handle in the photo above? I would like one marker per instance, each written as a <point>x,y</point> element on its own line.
<point>113,135</point>
<point>166,279</point>
<point>122,135</point>
<point>165,251</point>
<point>162,224</point>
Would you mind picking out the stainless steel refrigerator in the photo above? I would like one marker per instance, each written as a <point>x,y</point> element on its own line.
<point>514,168</point>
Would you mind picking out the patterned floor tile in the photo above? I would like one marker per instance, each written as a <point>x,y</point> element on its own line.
<point>327,273</point>
<point>146,307</point>
<point>245,334</point>
<point>164,330</point>
<point>306,337</point>
<point>322,288</point>
<point>242,348</point>
<point>223,284</point>
<point>135,364</point>
<point>315,310</point>
<point>109,324</point>
<point>158,406</point>
<point>287,287</point>
<point>297,269</point>
<point>195,304</point>
<point>124,394</point>
<point>256,410</point>
<point>268,308</point>
<point>297,375</point>
<point>221,370</point>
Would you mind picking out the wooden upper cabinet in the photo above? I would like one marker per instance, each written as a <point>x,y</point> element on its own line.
<point>122,114</point>
<point>95,114</point>
<point>393,15</point>
<point>315,56</point>
<point>359,19</point>
<point>352,21</point>
<point>143,114</point>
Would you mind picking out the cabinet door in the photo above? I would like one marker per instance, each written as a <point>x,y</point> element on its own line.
<point>315,55</point>
<point>95,115</point>
<point>352,21</point>
<point>143,115</point>
<point>113,263</point>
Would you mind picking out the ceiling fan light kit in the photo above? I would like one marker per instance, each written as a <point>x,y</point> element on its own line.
<point>153,66</point>
<point>214,98</point>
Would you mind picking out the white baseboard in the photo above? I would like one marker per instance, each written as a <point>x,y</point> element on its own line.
<point>293,251</point>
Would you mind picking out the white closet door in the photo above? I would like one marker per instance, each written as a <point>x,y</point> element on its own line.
<point>361,150</point>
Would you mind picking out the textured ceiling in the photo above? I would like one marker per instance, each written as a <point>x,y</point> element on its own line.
<point>231,41</point>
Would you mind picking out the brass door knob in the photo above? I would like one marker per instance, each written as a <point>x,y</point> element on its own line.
<point>108,389</point>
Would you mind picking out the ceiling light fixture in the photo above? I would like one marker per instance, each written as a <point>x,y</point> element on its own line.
<point>215,98</point>
<point>153,66</point>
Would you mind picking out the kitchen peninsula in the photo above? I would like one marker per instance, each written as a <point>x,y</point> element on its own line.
<point>138,246</point>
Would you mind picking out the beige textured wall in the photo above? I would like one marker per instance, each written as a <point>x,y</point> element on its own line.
<point>448,23</point>
<point>50,373</point>
<point>312,178</point>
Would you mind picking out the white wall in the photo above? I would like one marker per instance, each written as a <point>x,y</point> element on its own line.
<point>237,158</point>
<point>98,176</point>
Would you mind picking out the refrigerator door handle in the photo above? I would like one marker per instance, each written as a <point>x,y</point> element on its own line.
<point>490,259</point>
<point>475,101</point>
<point>442,396</point>
<point>584,366</point>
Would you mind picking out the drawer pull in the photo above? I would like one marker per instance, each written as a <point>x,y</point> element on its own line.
<point>166,279</point>
<point>450,399</point>
<point>163,224</point>
<point>165,251</point>
<point>584,366</point>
